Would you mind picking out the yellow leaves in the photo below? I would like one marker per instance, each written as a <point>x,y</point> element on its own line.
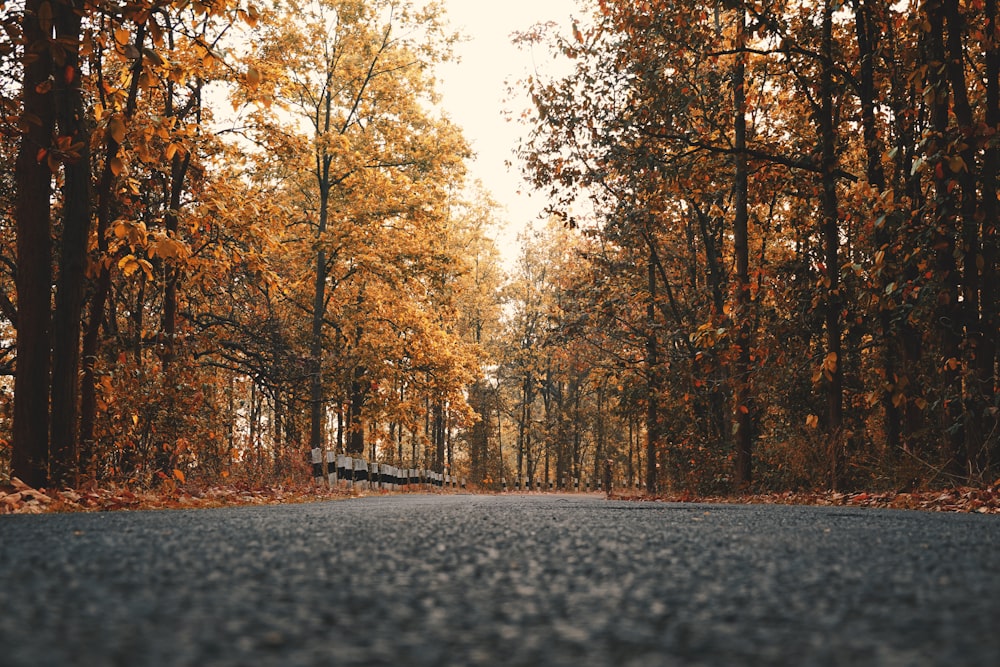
<point>179,475</point>
<point>173,148</point>
<point>116,130</point>
<point>708,334</point>
<point>812,421</point>
<point>251,15</point>
<point>830,362</point>
<point>333,143</point>
<point>168,248</point>
<point>130,264</point>
<point>155,245</point>
<point>131,232</point>
<point>122,36</point>
<point>253,77</point>
<point>204,54</point>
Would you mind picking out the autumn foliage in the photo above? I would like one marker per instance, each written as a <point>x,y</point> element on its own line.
<point>786,267</point>
<point>230,236</point>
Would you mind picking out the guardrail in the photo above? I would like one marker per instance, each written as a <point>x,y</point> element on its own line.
<point>362,474</point>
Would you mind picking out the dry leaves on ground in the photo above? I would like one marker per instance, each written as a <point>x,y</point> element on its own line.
<point>959,499</point>
<point>19,498</point>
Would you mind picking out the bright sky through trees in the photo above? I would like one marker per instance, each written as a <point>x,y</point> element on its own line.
<point>474,95</point>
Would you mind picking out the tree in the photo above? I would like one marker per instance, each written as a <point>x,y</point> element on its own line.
<point>353,72</point>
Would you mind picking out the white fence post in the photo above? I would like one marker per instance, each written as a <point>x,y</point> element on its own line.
<point>317,464</point>
<point>331,468</point>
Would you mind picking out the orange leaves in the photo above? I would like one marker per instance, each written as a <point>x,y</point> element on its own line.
<point>166,247</point>
<point>708,335</point>
<point>826,369</point>
<point>116,130</point>
<point>250,15</point>
<point>958,499</point>
<point>122,36</point>
<point>131,232</point>
<point>253,77</point>
<point>130,264</point>
<point>173,492</point>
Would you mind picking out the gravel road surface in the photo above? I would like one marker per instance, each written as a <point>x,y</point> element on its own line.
<point>500,580</point>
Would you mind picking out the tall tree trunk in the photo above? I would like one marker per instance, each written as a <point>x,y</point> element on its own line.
<point>324,118</point>
<point>987,359</point>
<point>356,441</point>
<point>906,185</point>
<point>833,364</point>
<point>33,181</point>
<point>976,398</point>
<point>522,430</point>
<point>67,317</point>
<point>948,313</point>
<point>867,32</point>
<point>654,430</point>
<point>316,349</point>
<point>178,172</point>
<point>479,438</point>
<point>743,424</point>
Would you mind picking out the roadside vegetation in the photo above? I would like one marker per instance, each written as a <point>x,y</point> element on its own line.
<point>233,240</point>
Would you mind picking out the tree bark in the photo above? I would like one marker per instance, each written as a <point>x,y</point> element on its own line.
<point>68,314</point>
<point>654,430</point>
<point>742,417</point>
<point>987,358</point>
<point>867,33</point>
<point>834,362</point>
<point>33,181</point>
<point>948,313</point>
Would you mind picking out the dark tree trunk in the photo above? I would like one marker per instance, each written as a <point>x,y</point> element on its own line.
<point>68,314</point>
<point>654,429</point>
<point>987,361</point>
<point>742,426</point>
<point>867,32</point>
<point>976,397</point>
<point>33,181</point>
<point>356,442</point>
<point>833,365</point>
<point>948,313</point>
<point>479,438</point>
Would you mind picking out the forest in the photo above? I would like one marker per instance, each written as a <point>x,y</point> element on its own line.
<point>232,235</point>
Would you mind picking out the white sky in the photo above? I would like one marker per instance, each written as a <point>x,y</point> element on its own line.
<point>473,95</point>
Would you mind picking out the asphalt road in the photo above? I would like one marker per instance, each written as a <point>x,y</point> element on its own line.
<point>511,580</point>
